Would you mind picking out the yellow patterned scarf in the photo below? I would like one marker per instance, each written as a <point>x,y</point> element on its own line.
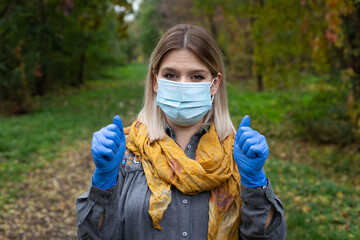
<point>214,169</point>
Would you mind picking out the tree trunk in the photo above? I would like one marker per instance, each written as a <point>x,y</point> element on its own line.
<point>259,83</point>
<point>355,45</point>
<point>9,9</point>
<point>259,67</point>
<point>353,37</point>
<point>80,79</point>
<point>41,76</point>
<point>211,17</point>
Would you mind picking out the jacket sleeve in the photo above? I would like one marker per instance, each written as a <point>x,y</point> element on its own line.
<point>254,211</point>
<point>92,204</point>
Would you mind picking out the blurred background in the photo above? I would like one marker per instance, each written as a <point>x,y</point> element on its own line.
<point>68,66</point>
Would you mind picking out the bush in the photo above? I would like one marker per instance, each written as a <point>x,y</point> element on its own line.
<point>323,117</point>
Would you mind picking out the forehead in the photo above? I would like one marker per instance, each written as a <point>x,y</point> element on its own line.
<point>182,59</point>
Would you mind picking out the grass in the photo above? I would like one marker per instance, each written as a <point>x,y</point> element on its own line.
<point>266,110</point>
<point>316,207</point>
<point>31,141</point>
<point>318,191</point>
<point>273,113</point>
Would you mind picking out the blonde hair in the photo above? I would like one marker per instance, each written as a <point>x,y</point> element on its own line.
<point>200,42</point>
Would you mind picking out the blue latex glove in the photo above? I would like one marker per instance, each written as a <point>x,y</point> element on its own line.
<point>250,152</point>
<point>108,149</point>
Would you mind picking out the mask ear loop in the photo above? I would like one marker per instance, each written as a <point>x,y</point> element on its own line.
<point>212,97</point>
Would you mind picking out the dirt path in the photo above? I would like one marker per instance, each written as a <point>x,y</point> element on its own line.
<point>45,208</point>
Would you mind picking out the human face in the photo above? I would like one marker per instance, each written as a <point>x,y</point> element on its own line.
<point>182,65</point>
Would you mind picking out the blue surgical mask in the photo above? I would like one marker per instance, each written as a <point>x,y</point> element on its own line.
<point>184,103</point>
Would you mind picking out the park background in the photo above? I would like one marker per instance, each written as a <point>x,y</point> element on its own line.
<point>68,66</point>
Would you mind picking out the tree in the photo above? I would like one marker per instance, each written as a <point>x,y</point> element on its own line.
<point>156,16</point>
<point>351,26</point>
<point>148,26</point>
<point>335,43</point>
<point>44,43</point>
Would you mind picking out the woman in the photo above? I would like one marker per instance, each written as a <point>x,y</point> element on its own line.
<point>180,171</point>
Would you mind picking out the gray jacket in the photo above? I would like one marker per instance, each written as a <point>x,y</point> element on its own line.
<point>125,207</point>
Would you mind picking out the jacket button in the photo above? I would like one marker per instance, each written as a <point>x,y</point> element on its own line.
<point>184,234</point>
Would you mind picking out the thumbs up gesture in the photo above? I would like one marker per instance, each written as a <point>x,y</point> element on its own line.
<point>250,152</point>
<point>108,149</point>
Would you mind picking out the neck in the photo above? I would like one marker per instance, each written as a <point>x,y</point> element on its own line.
<point>184,134</point>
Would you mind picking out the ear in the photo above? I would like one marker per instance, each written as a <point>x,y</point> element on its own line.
<point>216,83</point>
<point>155,83</point>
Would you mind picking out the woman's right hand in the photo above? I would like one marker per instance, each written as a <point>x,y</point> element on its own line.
<point>108,149</point>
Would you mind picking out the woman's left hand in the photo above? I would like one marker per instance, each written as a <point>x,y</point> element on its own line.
<point>250,152</point>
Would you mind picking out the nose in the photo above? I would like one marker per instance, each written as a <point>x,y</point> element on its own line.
<point>183,79</point>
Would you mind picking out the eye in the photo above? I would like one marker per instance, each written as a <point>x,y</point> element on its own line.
<point>170,76</point>
<point>198,77</point>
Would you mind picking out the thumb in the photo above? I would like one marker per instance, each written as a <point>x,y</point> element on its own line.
<point>245,122</point>
<point>118,123</point>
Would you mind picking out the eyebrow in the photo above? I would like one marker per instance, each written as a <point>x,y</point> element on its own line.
<point>170,69</point>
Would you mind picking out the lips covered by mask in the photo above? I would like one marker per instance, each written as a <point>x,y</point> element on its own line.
<point>184,103</point>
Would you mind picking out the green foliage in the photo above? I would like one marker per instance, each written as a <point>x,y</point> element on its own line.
<point>156,16</point>
<point>47,44</point>
<point>105,49</point>
<point>304,125</point>
<point>321,116</point>
<point>273,42</point>
<point>259,38</point>
<point>32,140</point>
<point>149,31</point>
